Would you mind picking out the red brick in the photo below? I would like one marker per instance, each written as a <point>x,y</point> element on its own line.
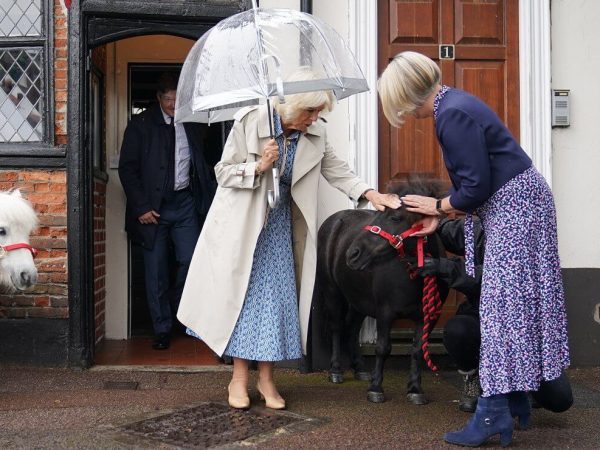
<point>60,22</point>
<point>58,177</point>
<point>61,33</point>
<point>59,277</point>
<point>16,300</point>
<point>59,301</point>
<point>9,176</point>
<point>61,96</point>
<point>34,175</point>
<point>57,209</point>
<point>47,198</point>
<point>54,313</point>
<point>42,301</point>
<point>41,187</point>
<point>60,85</point>
<point>60,74</point>
<point>48,243</point>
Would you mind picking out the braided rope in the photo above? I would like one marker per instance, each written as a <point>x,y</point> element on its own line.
<point>432,309</point>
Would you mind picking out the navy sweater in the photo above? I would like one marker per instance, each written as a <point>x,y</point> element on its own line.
<point>479,152</point>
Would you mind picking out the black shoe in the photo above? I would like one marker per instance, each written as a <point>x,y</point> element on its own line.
<point>161,342</point>
<point>471,391</point>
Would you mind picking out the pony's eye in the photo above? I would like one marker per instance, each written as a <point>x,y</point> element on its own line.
<point>2,231</point>
<point>396,219</point>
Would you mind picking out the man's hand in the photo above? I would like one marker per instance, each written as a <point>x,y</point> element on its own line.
<point>381,201</point>
<point>448,269</point>
<point>431,266</point>
<point>149,217</point>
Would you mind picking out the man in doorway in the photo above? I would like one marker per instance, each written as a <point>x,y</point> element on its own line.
<point>165,169</point>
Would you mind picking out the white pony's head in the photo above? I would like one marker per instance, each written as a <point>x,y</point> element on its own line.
<point>17,221</point>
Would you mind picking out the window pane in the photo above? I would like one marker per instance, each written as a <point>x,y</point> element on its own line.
<point>21,99</point>
<point>20,18</point>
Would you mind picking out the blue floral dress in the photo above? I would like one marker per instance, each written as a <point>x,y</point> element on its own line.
<point>268,328</point>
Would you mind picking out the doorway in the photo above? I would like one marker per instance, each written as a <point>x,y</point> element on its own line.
<point>130,69</point>
<point>95,25</point>
<point>141,88</point>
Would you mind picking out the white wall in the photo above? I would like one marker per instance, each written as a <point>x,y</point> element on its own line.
<point>576,150</point>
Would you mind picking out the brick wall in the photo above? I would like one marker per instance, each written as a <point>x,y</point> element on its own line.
<point>47,192</point>
<point>60,72</point>
<point>99,259</point>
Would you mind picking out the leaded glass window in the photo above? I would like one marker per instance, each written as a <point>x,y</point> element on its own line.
<point>25,36</point>
<point>20,18</point>
<point>21,99</point>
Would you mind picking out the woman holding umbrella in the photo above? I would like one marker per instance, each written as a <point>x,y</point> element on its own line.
<point>522,307</point>
<point>250,283</point>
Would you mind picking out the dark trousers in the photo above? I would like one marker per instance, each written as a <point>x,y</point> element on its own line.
<point>462,339</point>
<point>178,226</point>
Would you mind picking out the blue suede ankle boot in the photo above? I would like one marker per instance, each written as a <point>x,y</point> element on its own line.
<point>491,417</point>
<point>520,407</point>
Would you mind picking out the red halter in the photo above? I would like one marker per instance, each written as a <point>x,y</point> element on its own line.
<point>396,241</point>
<point>9,248</point>
<point>432,303</point>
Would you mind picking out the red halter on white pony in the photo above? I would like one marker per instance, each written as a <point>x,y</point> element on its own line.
<point>17,221</point>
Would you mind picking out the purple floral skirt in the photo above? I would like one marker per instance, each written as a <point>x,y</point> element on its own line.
<point>522,309</point>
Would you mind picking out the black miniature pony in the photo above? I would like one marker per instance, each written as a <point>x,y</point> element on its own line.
<point>360,272</point>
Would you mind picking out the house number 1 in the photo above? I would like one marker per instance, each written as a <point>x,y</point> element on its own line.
<point>446,51</point>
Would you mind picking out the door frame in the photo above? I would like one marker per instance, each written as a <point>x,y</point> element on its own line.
<point>534,73</point>
<point>93,23</point>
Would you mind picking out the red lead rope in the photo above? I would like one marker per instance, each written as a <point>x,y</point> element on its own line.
<point>432,306</point>
<point>432,303</point>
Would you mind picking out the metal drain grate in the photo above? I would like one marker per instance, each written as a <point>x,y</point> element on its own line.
<point>209,425</point>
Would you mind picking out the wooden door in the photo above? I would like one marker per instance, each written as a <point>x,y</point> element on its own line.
<point>484,34</point>
<point>485,38</point>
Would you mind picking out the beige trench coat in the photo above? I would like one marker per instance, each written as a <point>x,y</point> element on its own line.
<point>218,276</point>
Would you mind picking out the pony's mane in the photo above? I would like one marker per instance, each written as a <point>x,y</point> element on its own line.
<point>17,210</point>
<point>416,185</point>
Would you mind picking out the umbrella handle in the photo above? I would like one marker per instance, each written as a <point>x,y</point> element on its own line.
<point>273,196</point>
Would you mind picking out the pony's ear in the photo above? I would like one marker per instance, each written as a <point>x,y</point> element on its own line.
<point>16,193</point>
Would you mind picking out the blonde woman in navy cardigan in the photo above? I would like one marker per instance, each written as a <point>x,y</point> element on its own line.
<point>522,309</point>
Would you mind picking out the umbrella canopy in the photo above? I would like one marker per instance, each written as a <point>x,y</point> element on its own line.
<point>246,58</point>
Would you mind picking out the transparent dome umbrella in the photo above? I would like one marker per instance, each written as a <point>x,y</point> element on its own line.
<point>247,58</point>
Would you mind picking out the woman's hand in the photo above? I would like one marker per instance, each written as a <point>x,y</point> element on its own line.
<point>420,204</point>
<point>381,201</point>
<point>430,224</point>
<point>426,206</point>
<point>269,156</point>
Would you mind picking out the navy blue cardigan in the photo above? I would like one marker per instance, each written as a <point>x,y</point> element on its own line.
<point>479,152</point>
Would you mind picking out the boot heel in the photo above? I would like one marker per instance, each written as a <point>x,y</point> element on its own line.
<point>506,438</point>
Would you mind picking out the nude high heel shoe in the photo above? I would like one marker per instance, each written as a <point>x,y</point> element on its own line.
<point>235,399</point>
<point>272,402</point>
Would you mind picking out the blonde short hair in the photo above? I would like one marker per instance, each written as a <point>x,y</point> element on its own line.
<point>296,103</point>
<point>405,84</point>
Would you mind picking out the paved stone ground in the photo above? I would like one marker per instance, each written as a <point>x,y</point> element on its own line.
<point>66,409</point>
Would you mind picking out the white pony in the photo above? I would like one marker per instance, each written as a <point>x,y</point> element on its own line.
<point>17,221</point>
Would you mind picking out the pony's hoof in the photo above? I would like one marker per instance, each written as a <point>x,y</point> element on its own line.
<point>362,376</point>
<point>375,397</point>
<point>417,399</point>
<point>336,378</point>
